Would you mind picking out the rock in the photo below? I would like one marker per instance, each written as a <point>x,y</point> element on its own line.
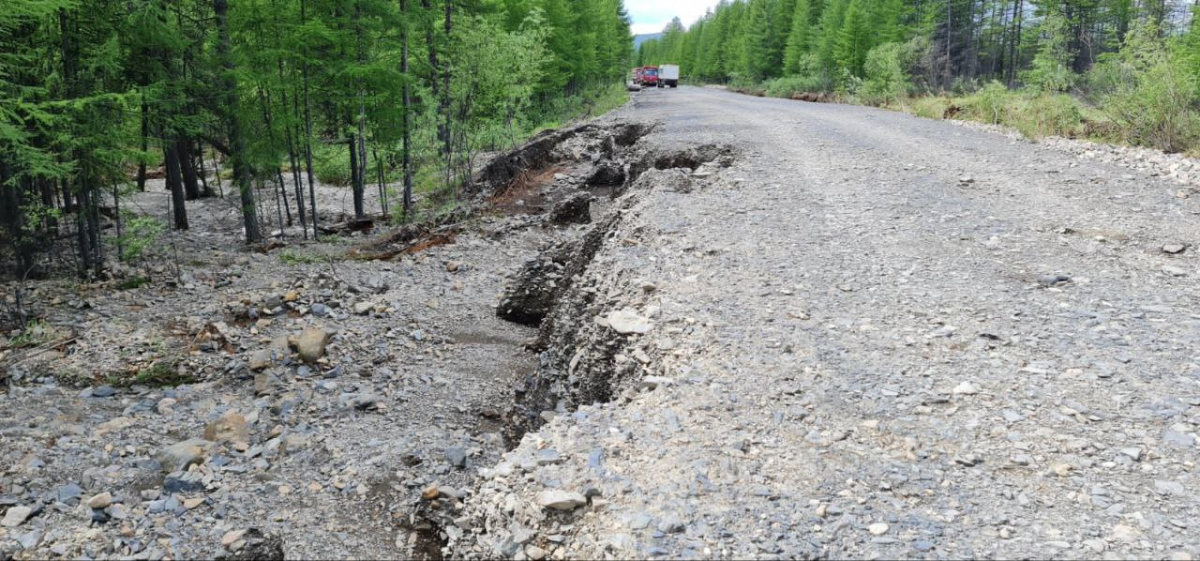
<point>29,540</point>
<point>16,516</point>
<point>320,310</point>
<point>1062,469</point>
<point>607,175</point>
<point>671,524</point>
<point>627,320</point>
<point>311,344</point>
<point>101,501</point>
<point>363,308</point>
<point>535,553</point>
<point>573,210</point>
<point>966,180</point>
<point>878,529</point>
<point>104,391</point>
<point>231,427</point>
<point>291,296</point>
<point>558,499</point>
<point>1174,248</point>
<point>453,266</point>
<point>965,388</point>
<point>265,383</point>
<point>1133,453</point>
<point>181,455</point>
<point>183,482</point>
<point>260,360</point>
<point>456,456</point>
<point>231,537</point>
<point>1164,487</point>
<point>1047,281</point>
<point>69,492</point>
<point>431,492</point>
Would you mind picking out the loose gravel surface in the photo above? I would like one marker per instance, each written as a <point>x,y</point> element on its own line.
<point>798,330</point>
<point>873,336</point>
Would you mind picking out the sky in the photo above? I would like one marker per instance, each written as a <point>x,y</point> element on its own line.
<point>651,16</point>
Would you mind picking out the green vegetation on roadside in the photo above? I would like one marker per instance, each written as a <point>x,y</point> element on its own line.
<point>1108,70</point>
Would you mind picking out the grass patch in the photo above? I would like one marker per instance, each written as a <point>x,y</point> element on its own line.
<point>290,257</point>
<point>37,332</point>
<point>133,282</point>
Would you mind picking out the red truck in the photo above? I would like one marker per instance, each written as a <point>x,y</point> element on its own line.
<point>649,76</point>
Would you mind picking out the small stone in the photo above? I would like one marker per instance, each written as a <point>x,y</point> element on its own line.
<point>456,456</point>
<point>1133,453</point>
<point>100,501</point>
<point>1174,271</point>
<point>966,180</point>
<point>1163,487</point>
<point>965,388</point>
<point>878,529</point>
<point>260,360</point>
<point>312,343</point>
<point>16,516</point>
<point>232,537</point>
<point>183,482</point>
<point>1062,469</point>
<point>192,504</point>
<point>671,524</point>
<point>291,296</point>
<point>1180,556</point>
<point>363,308</point>
<point>104,391</point>
<point>453,266</point>
<point>431,492</point>
<point>923,546</point>
<point>231,427</point>
<point>1048,281</point>
<point>321,310</point>
<point>558,499</point>
<point>627,320</point>
<point>535,553</point>
<point>1174,248</point>
<point>181,455</point>
<point>1096,545</point>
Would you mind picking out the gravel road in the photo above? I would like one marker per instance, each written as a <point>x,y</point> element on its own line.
<point>874,336</point>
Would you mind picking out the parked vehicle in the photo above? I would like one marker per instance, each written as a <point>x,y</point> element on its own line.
<point>649,76</point>
<point>668,74</point>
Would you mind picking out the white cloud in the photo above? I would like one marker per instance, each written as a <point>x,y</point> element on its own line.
<point>651,16</point>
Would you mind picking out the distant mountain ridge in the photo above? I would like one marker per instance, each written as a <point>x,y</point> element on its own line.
<point>639,39</point>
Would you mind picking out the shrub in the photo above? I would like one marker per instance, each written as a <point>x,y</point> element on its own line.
<point>887,76</point>
<point>1147,93</point>
<point>788,85</point>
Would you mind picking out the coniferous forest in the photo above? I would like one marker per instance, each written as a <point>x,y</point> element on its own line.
<point>1118,70</point>
<point>260,99</point>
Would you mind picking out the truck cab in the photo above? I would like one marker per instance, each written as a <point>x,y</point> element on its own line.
<point>650,76</point>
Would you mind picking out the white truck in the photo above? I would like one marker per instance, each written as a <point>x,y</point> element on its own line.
<point>668,75</point>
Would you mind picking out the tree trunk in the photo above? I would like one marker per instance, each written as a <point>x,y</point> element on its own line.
<point>355,180</point>
<point>187,166</point>
<point>141,173</point>
<point>407,133</point>
<point>175,183</point>
<point>308,159</point>
<point>237,148</point>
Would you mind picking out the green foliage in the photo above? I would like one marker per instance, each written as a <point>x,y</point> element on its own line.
<point>788,85</point>
<point>1051,70</point>
<point>293,258</point>
<point>138,234</point>
<point>887,78</point>
<point>133,282</point>
<point>1146,89</point>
